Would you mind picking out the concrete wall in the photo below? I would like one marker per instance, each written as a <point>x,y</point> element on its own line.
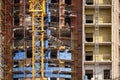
<point>104,34</point>
<point>104,15</point>
<point>102,1</point>
<point>115,39</point>
<point>100,72</point>
<point>104,52</point>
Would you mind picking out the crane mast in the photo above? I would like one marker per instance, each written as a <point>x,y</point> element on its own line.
<point>37,10</point>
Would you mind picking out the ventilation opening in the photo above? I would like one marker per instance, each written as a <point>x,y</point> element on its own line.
<point>106,74</point>
<point>89,2</point>
<point>89,74</point>
<point>29,53</point>
<point>68,2</point>
<point>89,18</point>
<point>89,56</point>
<point>54,1</point>
<point>89,37</point>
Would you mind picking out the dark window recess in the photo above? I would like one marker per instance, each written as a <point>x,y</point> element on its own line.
<point>89,74</point>
<point>16,1</point>
<point>89,55</point>
<point>15,79</point>
<point>54,19</point>
<point>89,2</point>
<point>53,54</point>
<point>16,51</point>
<point>53,65</point>
<point>18,35</point>
<point>54,1</point>
<point>16,20</point>
<point>106,74</point>
<point>68,21</point>
<point>68,2</point>
<point>67,13</point>
<point>27,0</point>
<point>89,37</point>
<point>89,18</point>
<point>67,79</point>
<point>67,66</point>
<point>16,9</point>
<point>29,53</point>
<point>69,51</point>
<point>15,64</point>
<point>53,78</point>
<point>28,36</point>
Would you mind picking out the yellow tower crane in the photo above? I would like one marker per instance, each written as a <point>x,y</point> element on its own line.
<point>37,10</point>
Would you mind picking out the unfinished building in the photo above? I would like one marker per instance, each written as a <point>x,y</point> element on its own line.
<point>100,47</point>
<point>44,45</point>
<point>59,40</point>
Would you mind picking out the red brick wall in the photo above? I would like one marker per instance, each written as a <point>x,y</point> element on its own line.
<point>77,32</point>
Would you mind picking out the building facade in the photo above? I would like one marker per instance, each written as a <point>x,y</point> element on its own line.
<point>100,40</point>
<point>59,40</point>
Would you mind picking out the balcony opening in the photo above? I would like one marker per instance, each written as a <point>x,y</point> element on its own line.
<point>89,37</point>
<point>89,18</point>
<point>106,74</point>
<point>89,55</point>
<point>89,74</point>
<point>68,2</point>
<point>89,2</point>
<point>54,1</point>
